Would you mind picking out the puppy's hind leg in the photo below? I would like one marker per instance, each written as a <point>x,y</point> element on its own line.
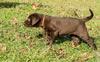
<point>86,37</point>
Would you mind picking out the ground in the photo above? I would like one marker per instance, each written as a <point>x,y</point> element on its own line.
<point>21,44</point>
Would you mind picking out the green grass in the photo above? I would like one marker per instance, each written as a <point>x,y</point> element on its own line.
<point>19,48</point>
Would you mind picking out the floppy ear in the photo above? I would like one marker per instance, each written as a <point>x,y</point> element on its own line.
<point>34,21</point>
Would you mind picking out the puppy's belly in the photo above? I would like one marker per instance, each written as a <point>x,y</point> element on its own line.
<point>66,32</point>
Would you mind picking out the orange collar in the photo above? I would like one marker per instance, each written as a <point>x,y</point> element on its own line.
<point>43,20</point>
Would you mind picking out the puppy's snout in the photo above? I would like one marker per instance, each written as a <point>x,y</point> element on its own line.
<point>25,23</point>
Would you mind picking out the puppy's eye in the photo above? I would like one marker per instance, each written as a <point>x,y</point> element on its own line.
<point>28,20</point>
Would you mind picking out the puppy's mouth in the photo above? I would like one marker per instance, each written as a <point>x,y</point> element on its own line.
<point>27,25</point>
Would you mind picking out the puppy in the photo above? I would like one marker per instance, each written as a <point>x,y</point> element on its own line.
<point>55,26</point>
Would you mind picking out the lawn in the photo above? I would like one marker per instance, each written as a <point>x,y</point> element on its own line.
<point>21,44</point>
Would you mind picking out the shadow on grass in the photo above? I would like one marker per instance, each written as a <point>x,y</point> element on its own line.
<point>59,39</point>
<point>9,4</point>
<point>62,39</point>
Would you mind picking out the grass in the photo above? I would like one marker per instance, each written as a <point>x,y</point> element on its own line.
<point>16,44</point>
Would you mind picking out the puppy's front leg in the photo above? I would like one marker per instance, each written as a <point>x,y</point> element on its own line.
<point>45,35</point>
<point>52,38</point>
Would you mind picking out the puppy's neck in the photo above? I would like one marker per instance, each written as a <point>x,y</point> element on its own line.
<point>42,21</point>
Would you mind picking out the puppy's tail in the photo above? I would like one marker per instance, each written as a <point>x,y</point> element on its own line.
<point>89,17</point>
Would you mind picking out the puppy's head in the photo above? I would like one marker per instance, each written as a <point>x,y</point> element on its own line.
<point>33,20</point>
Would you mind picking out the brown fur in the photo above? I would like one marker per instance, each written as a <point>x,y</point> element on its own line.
<point>54,26</point>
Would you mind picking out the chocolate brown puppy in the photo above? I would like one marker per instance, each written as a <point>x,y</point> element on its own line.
<point>55,26</point>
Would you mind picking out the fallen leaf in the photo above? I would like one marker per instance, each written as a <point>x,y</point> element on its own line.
<point>0,44</point>
<point>34,6</point>
<point>27,12</point>
<point>82,15</point>
<point>26,1</point>
<point>89,57</point>
<point>17,35</point>
<point>97,17</point>
<point>55,52</point>
<point>89,27</point>
<point>15,27</point>
<point>14,21</point>
<point>22,50</point>
<point>62,52</point>
<point>0,20</point>
<point>73,45</point>
<point>4,49</point>
<point>63,12</point>
<point>37,0</point>
<point>98,54</point>
<point>32,43</point>
<point>25,35</point>
<point>84,55</point>
<point>28,37</point>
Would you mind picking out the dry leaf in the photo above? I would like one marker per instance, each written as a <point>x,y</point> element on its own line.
<point>55,52</point>
<point>37,0</point>
<point>84,55</point>
<point>73,45</point>
<point>34,6</point>
<point>6,31</point>
<point>82,15</point>
<point>89,57</point>
<point>25,35</point>
<point>97,17</point>
<point>63,12</point>
<point>62,52</point>
<point>98,54</point>
<point>27,12</point>
<point>17,35</point>
<point>22,50</point>
<point>28,37</point>
<point>89,27</point>
<point>0,20</point>
<point>14,21</point>
<point>4,49</point>
<point>26,1</point>
<point>0,44</point>
<point>32,43</point>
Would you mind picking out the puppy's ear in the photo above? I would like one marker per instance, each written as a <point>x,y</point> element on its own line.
<point>34,21</point>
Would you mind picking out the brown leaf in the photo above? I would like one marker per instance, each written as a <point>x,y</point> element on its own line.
<point>17,35</point>
<point>63,12</point>
<point>55,52</point>
<point>4,49</point>
<point>73,45</point>
<point>34,6</point>
<point>84,55</point>
<point>14,21</point>
<point>98,54</point>
<point>97,17</point>
<point>37,0</point>
<point>25,35</point>
<point>22,50</point>
<point>89,27</point>
<point>0,44</point>
<point>26,1</point>
<point>82,15</point>
<point>89,57</point>
<point>62,52</point>
<point>32,43</point>
<point>27,12</point>
<point>28,37</point>
<point>0,20</point>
